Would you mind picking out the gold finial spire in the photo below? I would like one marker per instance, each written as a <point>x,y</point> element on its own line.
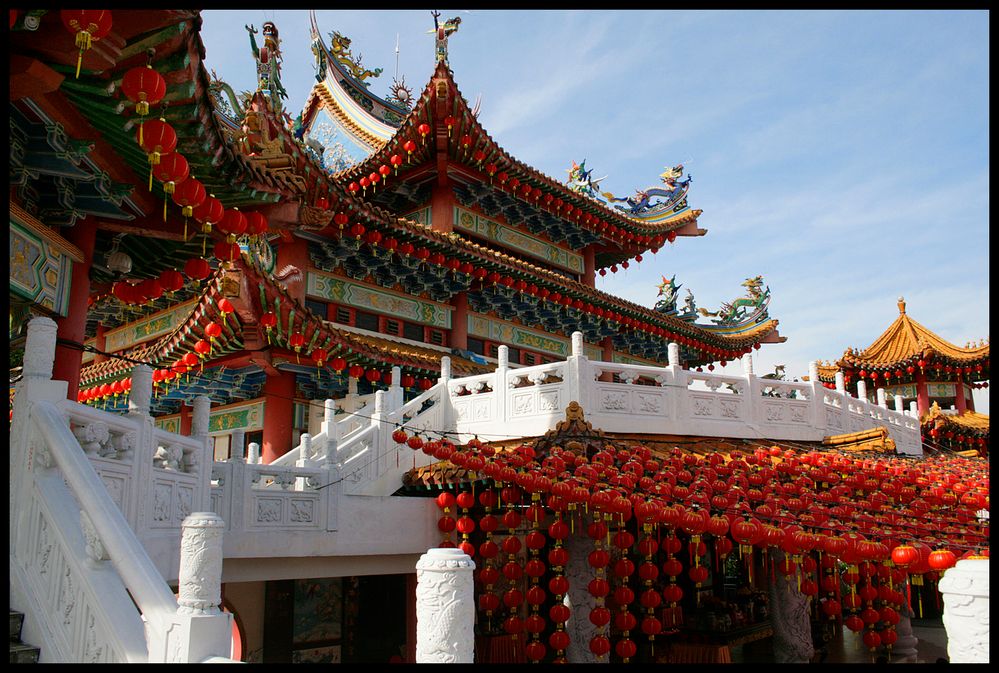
<point>901,305</point>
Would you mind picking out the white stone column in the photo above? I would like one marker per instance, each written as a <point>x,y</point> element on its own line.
<point>141,392</point>
<point>913,409</point>
<point>862,390</point>
<point>330,428</point>
<point>445,368</point>
<point>840,382</point>
<point>445,607</point>
<point>965,589</point>
<point>673,353</point>
<point>254,454</point>
<point>899,404</point>
<point>792,641</point>
<point>199,581</point>
<point>39,349</point>
<point>882,398</point>
<point>237,445</point>
<point>198,630</point>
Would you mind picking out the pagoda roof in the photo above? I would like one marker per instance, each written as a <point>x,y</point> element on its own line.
<point>593,219</point>
<point>969,422</point>
<point>906,340</point>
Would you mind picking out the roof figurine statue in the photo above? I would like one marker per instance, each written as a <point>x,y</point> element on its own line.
<point>268,59</point>
<point>443,32</point>
<point>668,290</point>
<point>581,180</point>
<point>673,191</point>
<point>751,308</point>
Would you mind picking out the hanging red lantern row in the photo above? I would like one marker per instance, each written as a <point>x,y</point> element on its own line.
<point>189,194</point>
<point>88,26</point>
<point>172,170</point>
<point>446,524</point>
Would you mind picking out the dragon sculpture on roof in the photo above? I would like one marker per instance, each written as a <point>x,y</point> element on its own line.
<point>268,58</point>
<point>673,191</point>
<point>751,308</point>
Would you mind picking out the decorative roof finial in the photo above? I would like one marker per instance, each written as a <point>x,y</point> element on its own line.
<point>443,32</point>
<point>901,305</point>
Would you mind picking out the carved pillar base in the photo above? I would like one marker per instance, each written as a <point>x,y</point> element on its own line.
<point>904,650</point>
<point>965,589</point>
<point>445,608</point>
<point>792,641</point>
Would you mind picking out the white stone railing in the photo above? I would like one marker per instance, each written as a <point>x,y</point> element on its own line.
<point>76,565</point>
<point>257,498</point>
<point>666,400</point>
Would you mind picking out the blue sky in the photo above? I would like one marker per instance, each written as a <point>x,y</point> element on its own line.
<point>842,155</point>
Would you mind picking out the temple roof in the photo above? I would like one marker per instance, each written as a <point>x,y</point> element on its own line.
<point>594,221</point>
<point>906,340</point>
<point>969,422</point>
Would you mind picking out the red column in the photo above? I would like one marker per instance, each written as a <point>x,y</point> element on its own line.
<point>959,401</point>
<point>459,321</point>
<point>442,208</point>
<point>73,327</point>
<point>99,343</point>
<point>589,266</point>
<point>185,420</point>
<point>279,416</point>
<point>608,356</point>
<point>922,394</point>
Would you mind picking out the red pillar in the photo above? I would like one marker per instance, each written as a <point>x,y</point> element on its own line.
<point>279,416</point>
<point>459,321</point>
<point>185,420</point>
<point>99,343</point>
<point>922,395</point>
<point>608,356</point>
<point>959,401</point>
<point>442,208</point>
<point>589,266</point>
<point>73,327</point>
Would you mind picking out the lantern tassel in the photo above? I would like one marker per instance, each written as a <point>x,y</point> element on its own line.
<point>79,61</point>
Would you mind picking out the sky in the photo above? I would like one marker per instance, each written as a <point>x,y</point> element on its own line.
<point>842,155</point>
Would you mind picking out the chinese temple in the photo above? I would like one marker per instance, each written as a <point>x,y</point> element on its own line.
<point>259,365</point>
<point>927,372</point>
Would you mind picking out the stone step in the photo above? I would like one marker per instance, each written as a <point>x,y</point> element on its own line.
<point>16,621</point>
<point>23,654</point>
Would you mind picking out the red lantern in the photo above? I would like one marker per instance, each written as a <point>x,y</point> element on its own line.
<point>189,194</point>
<point>208,213</point>
<point>226,252</point>
<point>144,87</point>
<point>158,139</point>
<point>88,26</point>
<point>197,268</point>
<point>256,224</point>
<point>355,371</point>
<point>396,161</point>
<point>373,375</point>
<point>942,559</point>
<point>424,130</point>
<point>233,223</point>
<point>171,280</point>
<point>409,146</point>
<point>296,341</point>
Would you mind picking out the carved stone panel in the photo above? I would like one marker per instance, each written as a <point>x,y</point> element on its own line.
<point>549,401</point>
<point>268,510</point>
<point>302,511</point>
<point>523,404</point>
<point>702,406</point>
<point>613,401</point>
<point>729,408</point>
<point>649,404</point>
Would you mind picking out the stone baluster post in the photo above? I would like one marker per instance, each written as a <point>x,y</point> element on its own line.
<point>882,398</point>
<point>39,349</point>
<point>577,380</point>
<point>862,390</point>
<point>965,589</point>
<point>141,393</point>
<point>840,382</point>
<point>500,388</point>
<point>913,409</point>
<point>201,462</point>
<point>447,413</point>
<point>673,352</point>
<point>445,608</point>
<point>200,629</point>
<point>395,389</point>
<point>817,398</point>
<point>675,382</point>
<point>254,454</point>
<point>899,404</point>
<point>237,444</point>
<point>329,427</point>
